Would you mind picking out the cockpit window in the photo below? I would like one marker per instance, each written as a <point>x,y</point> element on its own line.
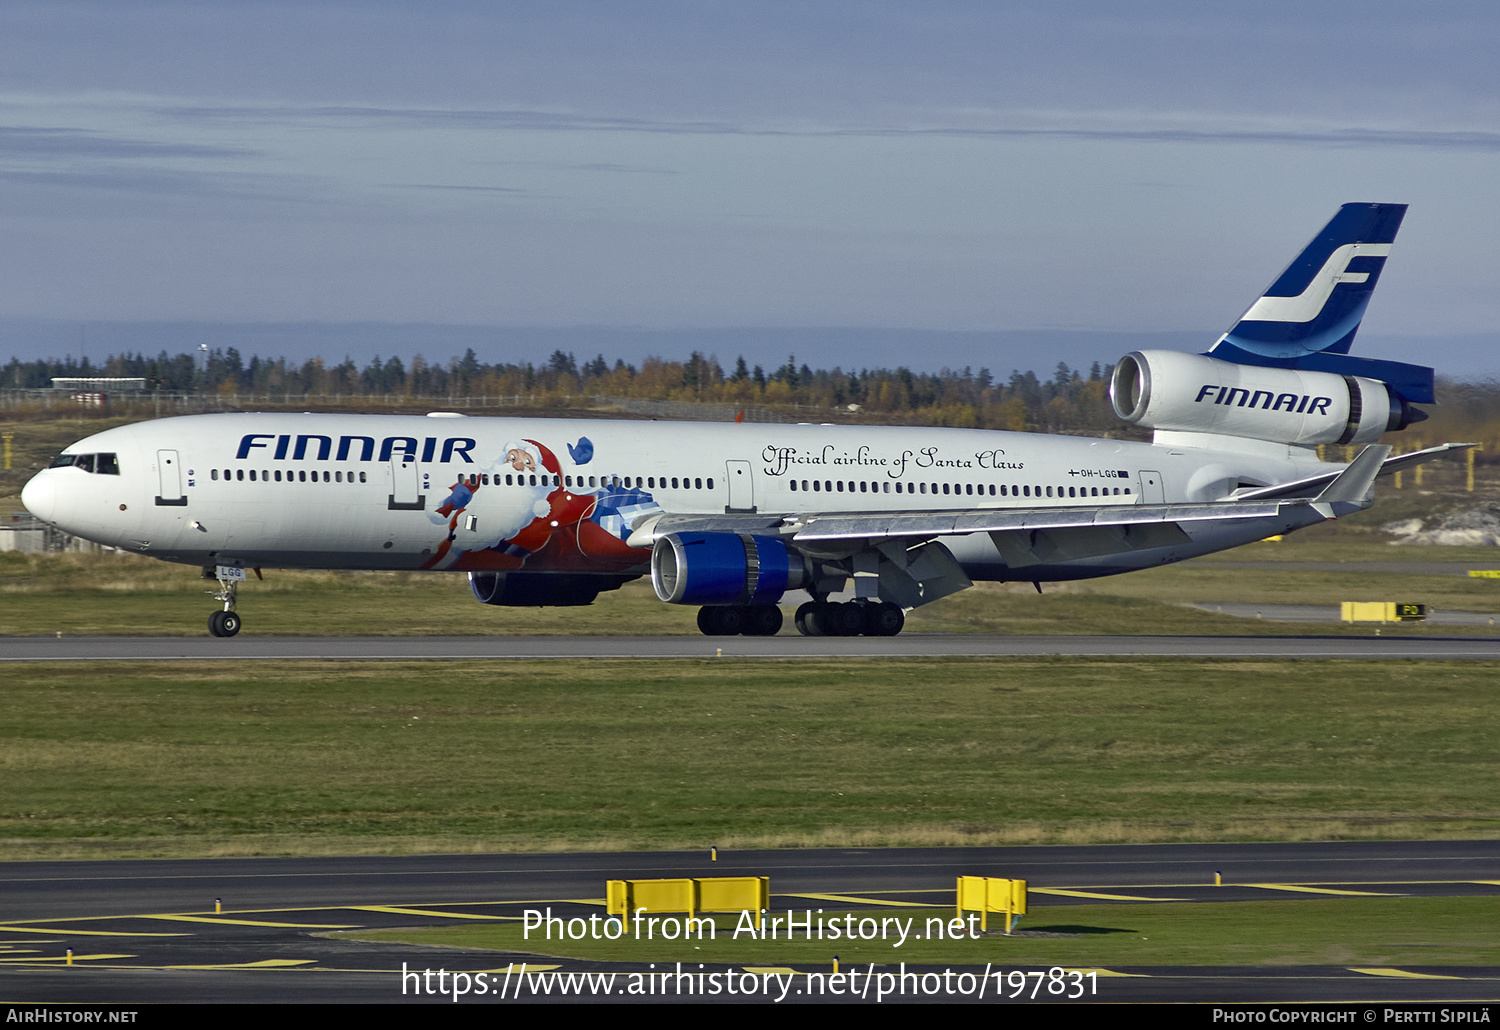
<point>101,464</point>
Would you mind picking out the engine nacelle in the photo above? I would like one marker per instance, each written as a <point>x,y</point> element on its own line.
<point>1194,393</point>
<point>723,568</point>
<point>541,589</point>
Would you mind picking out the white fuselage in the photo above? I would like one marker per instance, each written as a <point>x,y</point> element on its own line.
<point>558,495</point>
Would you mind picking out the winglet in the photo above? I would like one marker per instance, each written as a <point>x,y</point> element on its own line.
<point>1354,489</point>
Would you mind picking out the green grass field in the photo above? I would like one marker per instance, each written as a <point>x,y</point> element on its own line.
<point>83,594</point>
<point>341,758</point>
<point>143,760</point>
<point>1374,932</point>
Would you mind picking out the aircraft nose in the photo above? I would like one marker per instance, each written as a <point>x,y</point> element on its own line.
<point>40,497</point>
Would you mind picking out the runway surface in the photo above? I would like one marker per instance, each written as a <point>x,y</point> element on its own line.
<point>1403,568</point>
<point>1332,613</point>
<point>253,648</point>
<point>145,931</point>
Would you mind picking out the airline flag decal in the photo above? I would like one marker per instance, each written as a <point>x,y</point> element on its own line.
<point>1307,305</point>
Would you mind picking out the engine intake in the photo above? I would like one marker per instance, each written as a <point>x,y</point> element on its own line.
<point>723,568</point>
<point>1195,393</point>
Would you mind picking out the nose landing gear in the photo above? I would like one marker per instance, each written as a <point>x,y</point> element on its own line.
<point>225,623</point>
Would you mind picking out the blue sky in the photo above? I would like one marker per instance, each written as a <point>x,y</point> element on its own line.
<point>1102,167</point>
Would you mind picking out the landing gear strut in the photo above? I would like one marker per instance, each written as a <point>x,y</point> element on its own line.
<point>225,623</point>
<point>856,618</point>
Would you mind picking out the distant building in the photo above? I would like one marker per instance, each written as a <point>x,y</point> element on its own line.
<point>100,384</point>
<point>24,532</point>
<point>95,391</point>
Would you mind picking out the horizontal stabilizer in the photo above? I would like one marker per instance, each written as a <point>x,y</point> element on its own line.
<point>1399,462</point>
<point>1312,485</point>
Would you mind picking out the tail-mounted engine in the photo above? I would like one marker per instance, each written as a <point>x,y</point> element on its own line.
<point>1194,393</point>
<point>723,568</point>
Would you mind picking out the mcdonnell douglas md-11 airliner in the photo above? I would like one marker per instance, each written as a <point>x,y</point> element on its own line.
<point>730,517</point>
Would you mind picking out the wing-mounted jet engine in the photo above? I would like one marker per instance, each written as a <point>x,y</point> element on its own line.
<point>737,577</point>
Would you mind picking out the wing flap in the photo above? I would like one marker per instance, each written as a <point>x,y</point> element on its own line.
<point>921,525</point>
<point>1053,546</point>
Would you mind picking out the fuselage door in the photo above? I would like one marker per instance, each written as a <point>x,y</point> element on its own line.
<point>169,479</point>
<point>741,486</point>
<point>406,485</point>
<point>1152,491</point>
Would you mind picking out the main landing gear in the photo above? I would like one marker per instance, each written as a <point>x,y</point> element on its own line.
<point>814,619</point>
<point>852,619</point>
<point>751,620</point>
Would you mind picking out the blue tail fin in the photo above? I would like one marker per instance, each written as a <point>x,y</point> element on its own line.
<point>1308,317</point>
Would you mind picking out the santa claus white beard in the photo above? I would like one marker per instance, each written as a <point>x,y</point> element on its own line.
<point>502,512</point>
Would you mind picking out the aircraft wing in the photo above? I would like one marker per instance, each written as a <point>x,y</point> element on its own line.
<point>904,525</point>
<point>1030,535</point>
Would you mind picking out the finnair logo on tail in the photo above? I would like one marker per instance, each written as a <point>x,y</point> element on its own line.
<point>1305,306</point>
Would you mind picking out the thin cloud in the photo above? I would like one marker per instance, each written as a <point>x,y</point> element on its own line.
<point>427,117</point>
<point>552,121</point>
<point>1439,140</point>
<point>165,182</point>
<point>464,189</point>
<point>71,143</point>
<point>601,166</point>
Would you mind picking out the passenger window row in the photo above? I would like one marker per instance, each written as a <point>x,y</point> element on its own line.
<point>952,489</point>
<point>300,476</point>
<point>511,479</point>
<point>107,465</point>
<point>627,483</point>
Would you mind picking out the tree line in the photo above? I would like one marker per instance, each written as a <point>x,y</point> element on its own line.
<point>1070,401</point>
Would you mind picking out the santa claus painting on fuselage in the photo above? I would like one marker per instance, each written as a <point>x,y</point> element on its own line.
<point>524,512</point>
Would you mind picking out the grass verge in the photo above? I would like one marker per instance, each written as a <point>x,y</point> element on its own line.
<point>131,759</point>
<point>1344,932</point>
<point>81,595</point>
